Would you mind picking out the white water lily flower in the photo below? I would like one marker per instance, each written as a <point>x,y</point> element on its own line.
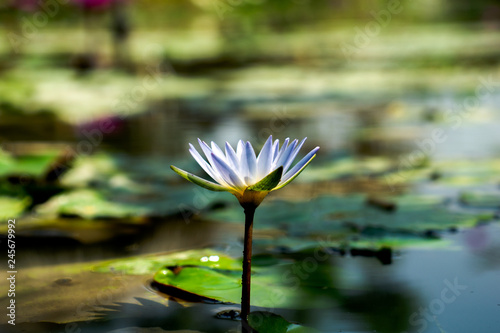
<point>249,177</point>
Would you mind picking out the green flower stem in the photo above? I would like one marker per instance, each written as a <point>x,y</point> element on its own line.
<point>247,268</point>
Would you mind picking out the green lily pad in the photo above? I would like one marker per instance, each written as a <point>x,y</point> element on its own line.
<point>346,167</point>
<point>11,207</point>
<point>88,204</point>
<point>345,242</point>
<point>32,165</point>
<point>139,201</point>
<point>332,215</point>
<point>417,214</point>
<point>454,173</point>
<point>267,322</point>
<point>213,275</point>
<point>268,288</point>
<point>145,265</point>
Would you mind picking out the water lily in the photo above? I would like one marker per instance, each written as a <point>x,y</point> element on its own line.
<point>250,178</point>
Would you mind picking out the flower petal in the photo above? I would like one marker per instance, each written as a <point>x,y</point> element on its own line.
<point>286,154</point>
<point>293,155</point>
<point>249,163</point>
<point>276,148</point>
<point>231,157</point>
<point>239,148</point>
<point>297,169</point>
<point>217,151</point>
<point>199,181</point>
<point>205,166</point>
<point>227,173</point>
<point>208,153</point>
<point>206,150</point>
<point>265,159</point>
<point>282,149</point>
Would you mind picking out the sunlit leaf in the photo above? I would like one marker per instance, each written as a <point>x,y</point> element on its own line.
<point>269,182</point>
<point>150,264</point>
<point>11,207</point>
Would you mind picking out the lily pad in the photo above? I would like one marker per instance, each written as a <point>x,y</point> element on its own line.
<point>345,242</point>
<point>88,204</point>
<point>268,287</point>
<point>28,165</point>
<point>117,204</point>
<point>333,215</point>
<point>347,168</point>
<point>210,275</point>
<point>145,265</point>
<point>11,207</point>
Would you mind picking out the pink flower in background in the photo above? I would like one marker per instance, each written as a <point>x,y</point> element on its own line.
<point>94,4</point>
<point>102,126</point>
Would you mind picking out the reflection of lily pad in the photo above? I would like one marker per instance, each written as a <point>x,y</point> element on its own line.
<point>266,322</point>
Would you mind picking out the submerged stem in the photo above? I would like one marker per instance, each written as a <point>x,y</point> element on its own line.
<point>247,268</point>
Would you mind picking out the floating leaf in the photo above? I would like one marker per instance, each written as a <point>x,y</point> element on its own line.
<point>268,288</point>
<point>137,202</point>
<point>89,204</point>
<point>332,215</point>
<point>268,182</point>
<point>143,265</point>
<point>29,165</point>
<point>11,207</point>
